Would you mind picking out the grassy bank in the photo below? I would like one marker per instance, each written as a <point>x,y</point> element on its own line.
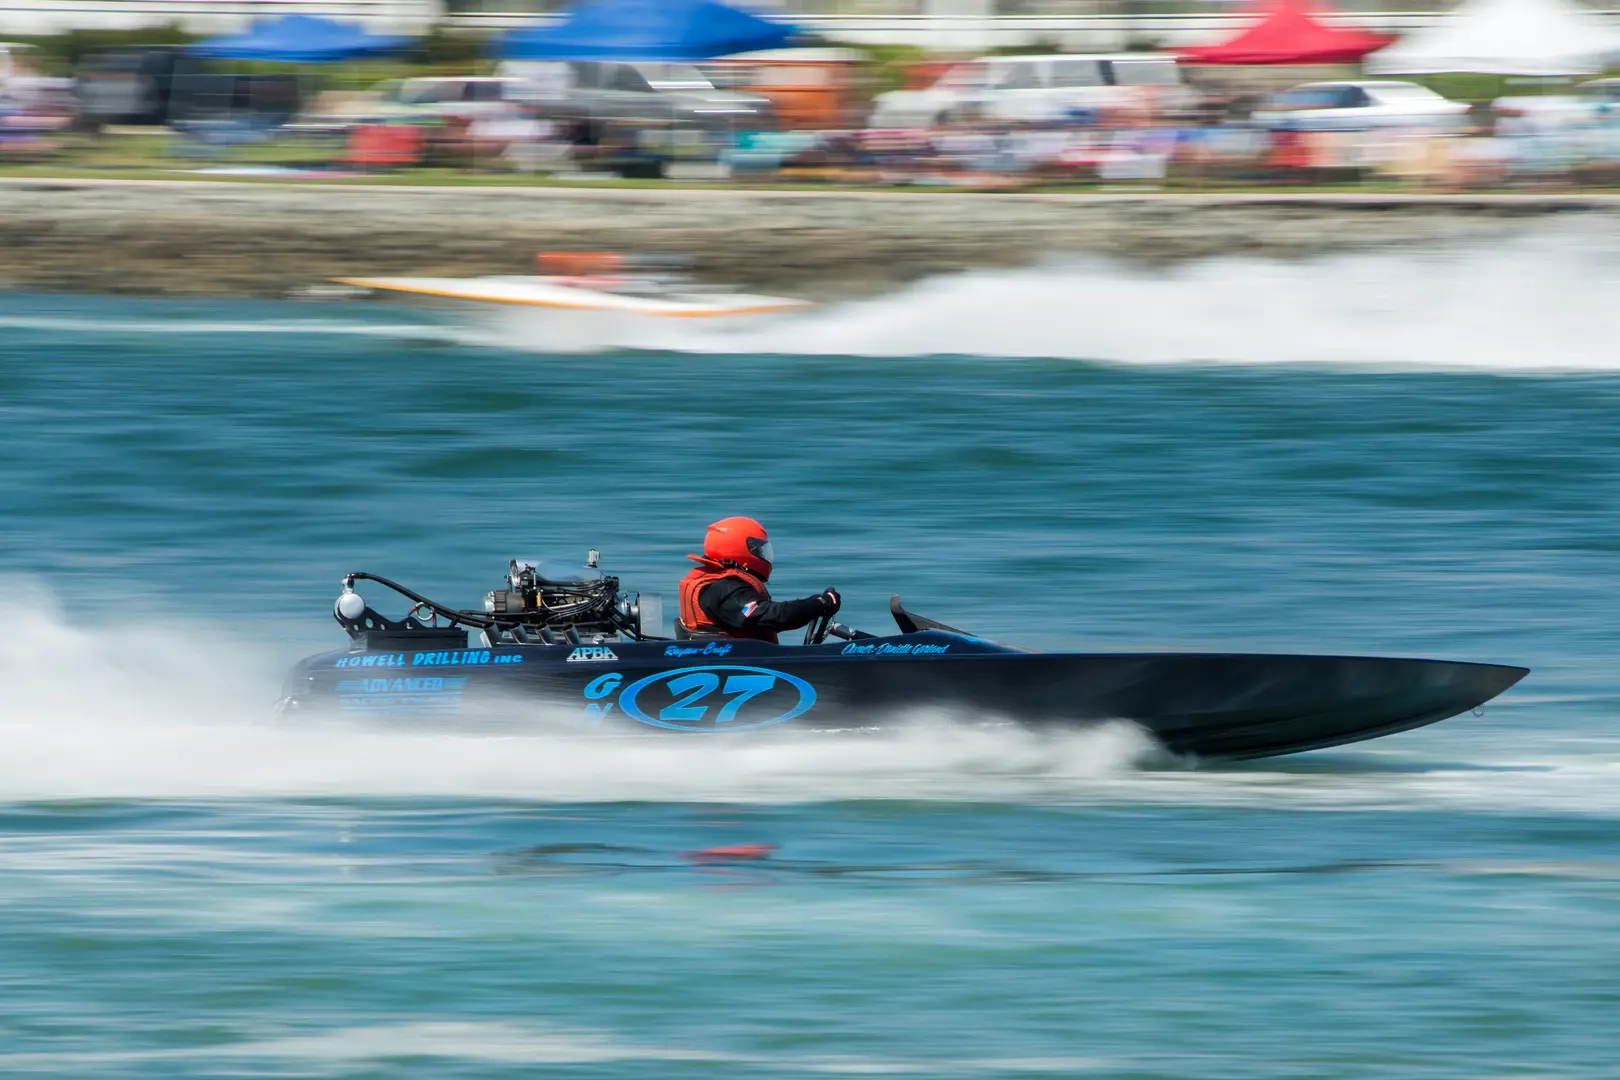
<point>133,166</point>
<point>256,238</point>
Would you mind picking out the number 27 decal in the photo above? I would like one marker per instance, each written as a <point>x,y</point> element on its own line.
<point>700,684</point>
<point>691,688</point>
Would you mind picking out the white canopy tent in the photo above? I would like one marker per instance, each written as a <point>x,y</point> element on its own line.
<point>1504,37</point>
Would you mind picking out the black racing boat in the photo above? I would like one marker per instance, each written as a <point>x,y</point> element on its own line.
<point>569,637</point>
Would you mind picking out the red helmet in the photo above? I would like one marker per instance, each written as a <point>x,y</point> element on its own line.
<point>742,542</point>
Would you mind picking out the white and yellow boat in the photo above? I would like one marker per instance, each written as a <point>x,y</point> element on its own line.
<point>590,301</point>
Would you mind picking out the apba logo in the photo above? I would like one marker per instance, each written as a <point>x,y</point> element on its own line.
<point>588,653</point>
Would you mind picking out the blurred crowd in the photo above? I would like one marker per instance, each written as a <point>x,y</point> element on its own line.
<point>813,115</point>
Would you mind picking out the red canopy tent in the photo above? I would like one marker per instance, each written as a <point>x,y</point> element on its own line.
<point>1289,33</point>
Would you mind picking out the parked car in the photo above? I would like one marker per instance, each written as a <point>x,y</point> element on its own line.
<point>226,106</point>
<point>18,64</point>
<point>1037,88</point>
<point>453,97</point>
<point>1600,91</point>
<point>595,93</point>
<point>1588,101</point>
<point>34,108</point>
<point>461,96</point>
<point>1356,106</point>
<point>127,85</point>
<point>24,87</point>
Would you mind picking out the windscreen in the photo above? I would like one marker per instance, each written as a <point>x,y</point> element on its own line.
<point>965,77</point>
<point>674,77</point>
<point>1145,73</point>
<point>1316,97</point>
<point>1076,73</point>
<point>419,92</point>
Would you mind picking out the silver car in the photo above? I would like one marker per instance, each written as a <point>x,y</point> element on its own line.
<point>1357,106</point>
<point>600,92</point>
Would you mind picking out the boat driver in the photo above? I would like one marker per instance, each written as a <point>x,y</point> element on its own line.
<point>725,593</point>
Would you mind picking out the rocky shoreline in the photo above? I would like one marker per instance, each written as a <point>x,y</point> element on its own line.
<point>245,239</point>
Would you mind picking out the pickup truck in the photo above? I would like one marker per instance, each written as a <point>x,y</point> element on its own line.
<point>598,92</point>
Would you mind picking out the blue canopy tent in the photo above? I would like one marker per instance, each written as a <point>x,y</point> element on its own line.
<point>225,109</point>
<point>301,39</point>
<point>646,30</point>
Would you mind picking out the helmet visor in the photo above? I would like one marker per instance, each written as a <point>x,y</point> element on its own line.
<point>761,549</point>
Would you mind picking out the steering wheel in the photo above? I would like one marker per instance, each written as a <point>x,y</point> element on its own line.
<point>816,632</point>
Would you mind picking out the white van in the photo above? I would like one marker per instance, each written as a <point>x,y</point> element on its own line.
<point>1036,88</point>
<point>19,70</point>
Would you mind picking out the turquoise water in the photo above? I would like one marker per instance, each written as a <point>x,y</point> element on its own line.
<point>187,890</point>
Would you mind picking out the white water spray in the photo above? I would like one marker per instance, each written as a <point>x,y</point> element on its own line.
<point>157,711</point>
<point>1538,304</point>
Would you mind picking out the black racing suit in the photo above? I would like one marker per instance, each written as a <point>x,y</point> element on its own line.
<point>737,605</point>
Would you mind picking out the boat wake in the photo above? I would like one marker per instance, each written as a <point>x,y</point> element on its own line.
<point>162,325</point>
<point>171,713</point>
<point>1540,304</point>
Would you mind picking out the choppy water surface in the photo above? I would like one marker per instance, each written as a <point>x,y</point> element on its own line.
<point>186,890</point>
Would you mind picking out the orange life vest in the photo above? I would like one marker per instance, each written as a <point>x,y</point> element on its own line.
<point>706,573</point>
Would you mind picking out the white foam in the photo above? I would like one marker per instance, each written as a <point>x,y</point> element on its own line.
<point>483,1042</point>
<point>337,1050</point>
<point>159,324</point>
<point>1535,305</point>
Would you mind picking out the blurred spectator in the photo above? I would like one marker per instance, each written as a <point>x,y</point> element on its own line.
<point>794,115</point>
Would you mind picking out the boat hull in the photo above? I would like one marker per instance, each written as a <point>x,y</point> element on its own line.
<point>1204,704</point>
<point>543,315</point>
